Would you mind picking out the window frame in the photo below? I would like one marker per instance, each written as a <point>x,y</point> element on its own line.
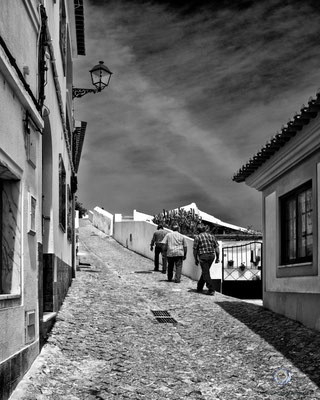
<point>294,195</point>
<point>62,194</point>
<point>69,214</point>
<point>10,295</point>
<point>32,224</point>
<point>63,34</point>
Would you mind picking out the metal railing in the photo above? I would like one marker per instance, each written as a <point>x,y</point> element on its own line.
<point>242,262</point>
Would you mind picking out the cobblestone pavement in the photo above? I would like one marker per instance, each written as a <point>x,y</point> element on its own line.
<point>107,344</point>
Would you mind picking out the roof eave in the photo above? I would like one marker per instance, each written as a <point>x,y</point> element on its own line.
<point>297,124</point>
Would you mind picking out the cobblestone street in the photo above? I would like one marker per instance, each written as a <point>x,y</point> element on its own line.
<point>107,343</point>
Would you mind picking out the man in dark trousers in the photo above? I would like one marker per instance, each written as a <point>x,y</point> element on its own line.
<point>157,237</point>
<point>205,250</point>
<point>175,246</point>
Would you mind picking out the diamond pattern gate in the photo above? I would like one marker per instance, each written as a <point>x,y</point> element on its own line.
<point>242,270</point>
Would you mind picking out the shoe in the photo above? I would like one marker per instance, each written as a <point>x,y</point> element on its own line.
<point>164,272</point>
<point>210,293</point>
<point>199,290</point>
<point>156,269</point>
<point>169,280</point>
<point>176,281</point>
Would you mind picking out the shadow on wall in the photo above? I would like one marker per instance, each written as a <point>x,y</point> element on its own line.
<point>297,343</point>
<point>103,220</point>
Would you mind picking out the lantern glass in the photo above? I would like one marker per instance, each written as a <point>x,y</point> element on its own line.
<point>100,76</point>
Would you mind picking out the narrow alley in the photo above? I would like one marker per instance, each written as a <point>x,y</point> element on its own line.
<point>108,344</point>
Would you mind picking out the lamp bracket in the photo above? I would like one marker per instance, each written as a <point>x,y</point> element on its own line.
<point>79,92</point>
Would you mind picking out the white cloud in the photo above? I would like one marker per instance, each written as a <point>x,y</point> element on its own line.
<point>192,96</point>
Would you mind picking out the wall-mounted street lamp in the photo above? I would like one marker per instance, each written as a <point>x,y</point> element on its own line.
<point>100,76</point>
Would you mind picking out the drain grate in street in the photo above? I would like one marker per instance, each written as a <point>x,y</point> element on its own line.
<point>164,320</point>
<point>158,313</point>
<point>163,317</point>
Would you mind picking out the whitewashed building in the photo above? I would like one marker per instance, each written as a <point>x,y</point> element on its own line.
<point>287,172</point>
<point>39,156</point>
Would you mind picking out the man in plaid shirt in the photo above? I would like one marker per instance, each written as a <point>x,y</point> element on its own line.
<point>205,250</point>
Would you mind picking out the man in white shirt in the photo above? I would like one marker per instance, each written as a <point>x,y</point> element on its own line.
<point>175,246</point>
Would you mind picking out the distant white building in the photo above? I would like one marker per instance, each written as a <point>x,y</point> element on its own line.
<point>224,226</point>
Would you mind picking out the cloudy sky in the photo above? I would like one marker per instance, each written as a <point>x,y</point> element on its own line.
<point>197,89</point>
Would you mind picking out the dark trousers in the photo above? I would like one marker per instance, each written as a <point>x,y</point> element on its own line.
<point>175,261</point>
<point>157,251</point>
<point>205,263</point>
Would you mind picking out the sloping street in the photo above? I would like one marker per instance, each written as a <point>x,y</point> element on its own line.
<point>108,344</point>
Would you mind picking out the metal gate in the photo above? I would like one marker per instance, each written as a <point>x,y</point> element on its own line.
<point>242,270</point>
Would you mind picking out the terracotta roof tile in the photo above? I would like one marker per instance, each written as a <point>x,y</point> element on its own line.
<point>292,128</point>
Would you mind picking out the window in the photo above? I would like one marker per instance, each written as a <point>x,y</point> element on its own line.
<point>10,238</point>
<point>69,214</point>
<point>296,226</point>
<point>32,214</point>
<point>31,141</point>
<point>63,33</point>
<point>62,194</point>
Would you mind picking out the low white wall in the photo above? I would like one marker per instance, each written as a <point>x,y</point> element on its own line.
<point>137,235</point>
<point>139,216</point>
<point>117,217</point>
<point>103,220</point>
<point>76,219</point>
<point>90,215</point>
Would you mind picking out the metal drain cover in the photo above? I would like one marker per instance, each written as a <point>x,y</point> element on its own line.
<point>163,317</point>
<point>164,320</point>
<point>158,313</point>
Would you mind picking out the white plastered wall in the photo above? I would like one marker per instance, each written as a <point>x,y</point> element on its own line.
<point>295,284</point>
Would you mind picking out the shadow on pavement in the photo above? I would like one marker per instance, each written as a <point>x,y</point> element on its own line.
<point>198,293</point>
<point>143,272</point>
<point>297,343</point>
<point>91,270</point>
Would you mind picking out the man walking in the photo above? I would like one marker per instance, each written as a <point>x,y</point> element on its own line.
<point>205,250</point>
<point>156,240</point>
<point>175,246</point>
